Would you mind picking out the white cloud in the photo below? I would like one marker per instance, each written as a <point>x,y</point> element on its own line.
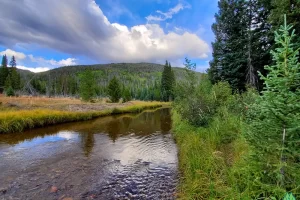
<point>53,63</point>
<point>67,62</point>
<point>79,27</point>
<point>35,70</point>
<point>10,53</point>
<point>169,14</point>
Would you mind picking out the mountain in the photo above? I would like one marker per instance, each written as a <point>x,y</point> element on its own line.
<point>142,79</point>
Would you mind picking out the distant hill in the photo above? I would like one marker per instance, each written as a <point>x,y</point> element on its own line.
<point>141,78</point>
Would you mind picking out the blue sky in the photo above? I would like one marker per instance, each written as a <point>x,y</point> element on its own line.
<point>45,34</point>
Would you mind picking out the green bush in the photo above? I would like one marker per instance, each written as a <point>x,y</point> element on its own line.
<point>10,92</point>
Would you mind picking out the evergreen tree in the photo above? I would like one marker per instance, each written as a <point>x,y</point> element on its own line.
<point>8,87</point>
<point>3,71</point>
<point>292,9</point>
<point>259,40</point>
<point>13,62</point>
<point>126,95</point>
<point>87,86</point>
<point>4,61</point>
<point>15,79</point>
<point>114,90</point>
<point>167,82</point>
<point>274,121</point>
<point>242,42</point>
<point>229,49</point>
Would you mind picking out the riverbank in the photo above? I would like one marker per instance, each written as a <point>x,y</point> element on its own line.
<point>17,119</point>
<point>210,157</point>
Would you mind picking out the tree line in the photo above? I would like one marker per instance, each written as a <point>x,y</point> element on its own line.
<point>244,38</point>
<point>162,90</point>
<point>10,80</point>
<point>142,81</point>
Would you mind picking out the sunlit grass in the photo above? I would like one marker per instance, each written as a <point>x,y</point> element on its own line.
<point>208,158</point>
<point>19,120</point>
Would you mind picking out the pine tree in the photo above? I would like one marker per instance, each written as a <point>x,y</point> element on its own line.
<point>87,86</point>
<point>4,61</point>
<point>292,9</point>
<point>15,79</point>
<point>13,62</point>
<point>8,87</point>
<point>167,82</point>
<point>274,120</point>
<point>229,49</point>
<point>114,90</point>
<point>126,94</point>
<point>3,71</point>
<point>259,40</point>
<point>242,43</point>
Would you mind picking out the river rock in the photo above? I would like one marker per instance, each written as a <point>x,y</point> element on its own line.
<point>53,189</point>
<point>3,190</point>
<point>67,198</point>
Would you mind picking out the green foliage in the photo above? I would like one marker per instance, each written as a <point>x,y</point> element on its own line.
<point>242,43</point>
<point>15,79</point>
<point>10,91</point>
<point>126,95</point>
<point>292,9</point>
<point>167,83</point>
<point>13,62</point>
<point>289,196</point>
<point>142,79</point>
<point>4,61</point>
<point>274,129</point>
<point>208,156</point>
<point>198,103</point>
<point>87,87</point>
<point>114,90</point>
<point>3,71</point>
<point>229,53</point>
<point>9,77</point>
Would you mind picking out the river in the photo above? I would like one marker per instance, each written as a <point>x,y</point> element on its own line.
<point>130,156</point>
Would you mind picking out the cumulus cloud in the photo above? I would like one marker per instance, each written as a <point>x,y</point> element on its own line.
<point>169,14</point>
<point>10,53</point>
<point>54,63</point>
<point>35,70</point>
<point>79,27</point>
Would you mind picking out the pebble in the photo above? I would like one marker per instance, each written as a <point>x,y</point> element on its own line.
<point>53,189</point>
<point>3,190</point>
<point>67,198</point>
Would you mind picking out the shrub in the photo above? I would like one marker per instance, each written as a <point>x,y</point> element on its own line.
<point>10,92</point>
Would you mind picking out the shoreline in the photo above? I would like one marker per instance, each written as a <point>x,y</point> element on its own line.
<point>21,120</point>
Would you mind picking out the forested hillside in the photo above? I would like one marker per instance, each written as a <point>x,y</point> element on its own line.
<point>143,80</point>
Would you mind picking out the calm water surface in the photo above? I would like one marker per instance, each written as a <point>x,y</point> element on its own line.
<point>118,157</point>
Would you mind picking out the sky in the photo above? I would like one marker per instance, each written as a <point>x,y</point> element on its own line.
<point>46,34</point>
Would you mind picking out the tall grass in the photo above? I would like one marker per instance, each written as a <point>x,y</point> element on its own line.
<point>19,120</point>
<point>209,157</point>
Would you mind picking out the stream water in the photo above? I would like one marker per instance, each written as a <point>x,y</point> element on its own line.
<point>117,157</point>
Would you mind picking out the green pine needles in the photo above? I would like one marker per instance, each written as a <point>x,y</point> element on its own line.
<point>114,90</point>
<point>274,120</point>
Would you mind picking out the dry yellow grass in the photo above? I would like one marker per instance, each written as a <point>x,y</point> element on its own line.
<point>63,104</point>
<point>19,119</point>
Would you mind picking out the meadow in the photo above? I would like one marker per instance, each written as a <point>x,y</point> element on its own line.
<point>20,113</point>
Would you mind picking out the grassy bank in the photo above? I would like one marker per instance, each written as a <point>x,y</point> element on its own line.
<point>209,158</point>
<point>19,120</point>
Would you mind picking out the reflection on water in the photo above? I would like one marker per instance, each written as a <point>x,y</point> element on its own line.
<point>116,157</point>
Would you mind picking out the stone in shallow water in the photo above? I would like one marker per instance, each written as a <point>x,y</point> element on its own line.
<point>53,189</point>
